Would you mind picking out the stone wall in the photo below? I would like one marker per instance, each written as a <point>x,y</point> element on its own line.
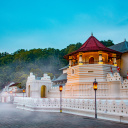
<point>116,110</point>
<point>124,64</point>
<point>114,87</point>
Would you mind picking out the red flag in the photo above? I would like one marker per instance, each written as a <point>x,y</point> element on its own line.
<point>118,68</point>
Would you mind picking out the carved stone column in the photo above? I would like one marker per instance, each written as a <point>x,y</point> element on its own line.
<point>70,61</point>
<point>100,57</point>
<point>80,58</point>
<point>114,60</point>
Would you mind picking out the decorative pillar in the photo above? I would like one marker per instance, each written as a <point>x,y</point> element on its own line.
<point>74,61</point>
<point>114,60</point>
<point>70,61</point>
<point>80,58</point>
<point>100,57</point>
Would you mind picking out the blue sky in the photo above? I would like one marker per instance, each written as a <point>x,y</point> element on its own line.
<point>28,24</point>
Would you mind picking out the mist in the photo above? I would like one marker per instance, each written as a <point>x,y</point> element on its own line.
<point>20,64</point>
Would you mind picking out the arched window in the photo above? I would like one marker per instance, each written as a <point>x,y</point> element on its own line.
<point>91,60</point>
<point>73,71</point>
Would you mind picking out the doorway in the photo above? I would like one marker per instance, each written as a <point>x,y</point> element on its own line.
<point>91,60</point>
<point>29,91</point>
<point>43,91</point>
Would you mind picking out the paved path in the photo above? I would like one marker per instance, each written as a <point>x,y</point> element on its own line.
<point>10,117</point>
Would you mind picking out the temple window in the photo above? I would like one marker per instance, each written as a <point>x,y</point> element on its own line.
<point>91,60</point>
<point>73,71</point>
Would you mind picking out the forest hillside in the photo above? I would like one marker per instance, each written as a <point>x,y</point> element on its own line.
<point>17,66</point>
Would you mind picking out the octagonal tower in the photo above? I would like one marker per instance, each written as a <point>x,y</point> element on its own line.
<point>92,60</point>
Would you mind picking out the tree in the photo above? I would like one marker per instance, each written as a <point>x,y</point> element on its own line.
<point>107,43</point>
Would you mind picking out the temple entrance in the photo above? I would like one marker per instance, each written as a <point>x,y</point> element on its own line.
<point>91,60</point>
<point>29,91</point>
<point>43,91</point>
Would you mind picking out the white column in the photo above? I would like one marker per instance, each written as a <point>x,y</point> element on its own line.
<point>114,60</point>
<point>70,61</point>
<point>100,57</point>
<point>80,58</point>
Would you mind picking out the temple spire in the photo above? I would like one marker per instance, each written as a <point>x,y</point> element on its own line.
<point>124,39</point>
<point>91,33</point>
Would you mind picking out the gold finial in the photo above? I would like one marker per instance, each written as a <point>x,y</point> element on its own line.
<point>91,33</point>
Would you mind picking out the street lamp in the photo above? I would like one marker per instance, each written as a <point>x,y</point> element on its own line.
<point>60,88</point>
<point>23,92</point>
<point>95,88</point>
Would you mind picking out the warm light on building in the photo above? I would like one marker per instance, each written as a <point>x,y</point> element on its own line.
<point>95,85</point>
<point>23,90</point>
<point>60,87</point>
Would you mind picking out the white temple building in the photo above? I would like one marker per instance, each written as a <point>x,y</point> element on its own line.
<point>9,92</point>
<point>38,87</point>
<point>92,60</point>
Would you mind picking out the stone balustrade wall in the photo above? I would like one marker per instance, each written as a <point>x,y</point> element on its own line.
<point>119,107</point>
<point>115,110</point>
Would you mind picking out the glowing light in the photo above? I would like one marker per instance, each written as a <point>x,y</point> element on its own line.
<point>23,90</point>
<point>95,85</point>
<point>60,87</point>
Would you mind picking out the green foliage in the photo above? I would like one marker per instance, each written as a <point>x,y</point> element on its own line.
<point>17,66</point>
<point>107,43</point>
<point>51,75</point>
<point>20,77</point>
<point>37,72</point>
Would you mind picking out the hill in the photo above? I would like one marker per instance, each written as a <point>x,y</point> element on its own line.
<point>17,66</point>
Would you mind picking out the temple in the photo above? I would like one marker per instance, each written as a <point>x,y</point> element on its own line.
<point>93,52</point>
<point>91,61</point>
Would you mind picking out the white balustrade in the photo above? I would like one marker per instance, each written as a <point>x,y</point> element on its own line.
<point>103,106</point>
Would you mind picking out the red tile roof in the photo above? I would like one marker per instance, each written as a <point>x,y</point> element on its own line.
<point>91,45</point>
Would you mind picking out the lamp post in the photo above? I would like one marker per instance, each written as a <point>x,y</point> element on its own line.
<point>95,88</point>
<point>60,88</point>
<point>23,92</point>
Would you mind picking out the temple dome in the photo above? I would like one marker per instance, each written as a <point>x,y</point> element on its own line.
<point>92,45</point>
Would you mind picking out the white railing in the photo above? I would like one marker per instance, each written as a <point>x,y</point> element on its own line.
<point>118,107</point>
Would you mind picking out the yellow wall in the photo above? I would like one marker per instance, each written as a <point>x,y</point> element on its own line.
<point>95,55</point>
<point>118,62</point>
<point>86,56</point>
<point>124,64</point>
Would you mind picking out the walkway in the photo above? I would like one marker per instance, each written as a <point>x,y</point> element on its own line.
<point>10,117</point>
